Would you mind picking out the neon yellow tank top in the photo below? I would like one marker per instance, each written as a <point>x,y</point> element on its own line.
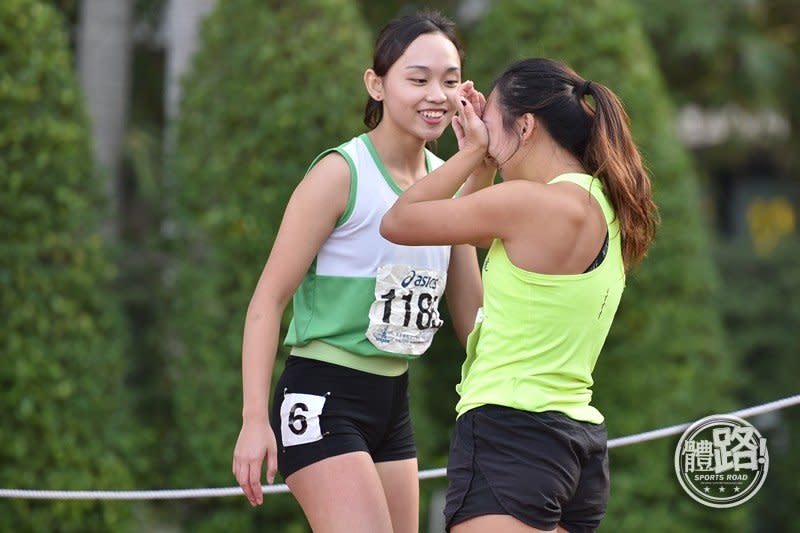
<point>537,338</point>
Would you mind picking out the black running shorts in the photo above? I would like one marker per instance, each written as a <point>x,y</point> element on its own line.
<point>544,469</point>
<point>320,410</point>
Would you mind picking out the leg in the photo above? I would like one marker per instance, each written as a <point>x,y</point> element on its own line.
<point>497,522</point>
<point>342,494</point>
<point>401,486</point>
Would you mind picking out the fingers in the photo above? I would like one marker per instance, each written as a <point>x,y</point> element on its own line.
<point>272,467</point>
<point>468,92</point>
<point>248,474</point>
<point>465,88</point>
<point>458,129</point>
<point>257,495</point>
<point>480,103</point>
<point>466,110</point>
<point>242,477</point>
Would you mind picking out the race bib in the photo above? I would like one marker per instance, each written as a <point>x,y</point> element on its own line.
<point>300,418</point>
<point>405,314</point>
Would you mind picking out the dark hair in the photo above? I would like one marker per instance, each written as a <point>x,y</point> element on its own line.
<point>393,40</point>
<point>599,137</point>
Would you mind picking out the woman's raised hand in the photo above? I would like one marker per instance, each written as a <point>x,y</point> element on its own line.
<point>470,130</point>
<point>467,91</point>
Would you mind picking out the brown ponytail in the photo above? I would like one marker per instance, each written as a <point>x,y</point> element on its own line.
<point>612,156</point>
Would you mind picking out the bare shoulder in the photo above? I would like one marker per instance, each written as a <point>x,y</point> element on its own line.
<point>561,209</point>
<point>533,201</point>
<point>325,189</point>
<point>565,200</point>
<point>558,230</point>
<point>575,203</point>
<point>331,172</point>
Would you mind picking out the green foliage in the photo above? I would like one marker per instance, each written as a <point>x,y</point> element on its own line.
<point>732,52</point>
<point>762,321</point>
<point>664,361</point>
<point>273,84</point>
<point>65,419</point>
<point>378,14</point>
<point>703,50</point>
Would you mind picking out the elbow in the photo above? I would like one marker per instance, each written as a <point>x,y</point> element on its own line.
<point>390,228</point>
<point>267,301</point>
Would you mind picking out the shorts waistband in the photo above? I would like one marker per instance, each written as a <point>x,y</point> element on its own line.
<point>374,364</point>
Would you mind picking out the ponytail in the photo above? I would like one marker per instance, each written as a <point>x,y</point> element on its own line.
<point>611,155</point>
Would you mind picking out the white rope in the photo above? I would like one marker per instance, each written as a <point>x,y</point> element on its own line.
<point>278,489</point>
<point>674,430</point>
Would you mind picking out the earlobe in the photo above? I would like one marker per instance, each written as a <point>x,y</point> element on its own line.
<point>374,84</point>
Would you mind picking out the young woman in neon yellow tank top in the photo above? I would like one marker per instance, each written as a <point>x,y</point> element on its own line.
<point>573,212</point>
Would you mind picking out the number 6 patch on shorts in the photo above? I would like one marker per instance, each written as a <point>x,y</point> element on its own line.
<point>300,418</point>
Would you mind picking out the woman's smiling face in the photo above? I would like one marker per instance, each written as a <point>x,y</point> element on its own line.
<point>419,90</point>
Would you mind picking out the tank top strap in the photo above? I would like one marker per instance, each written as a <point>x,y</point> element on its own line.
<point>595,188</point>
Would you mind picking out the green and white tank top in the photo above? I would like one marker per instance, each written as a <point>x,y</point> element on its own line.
<point>365,302</point>
<point>537,337</point>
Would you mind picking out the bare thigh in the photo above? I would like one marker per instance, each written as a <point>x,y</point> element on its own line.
<point>342,494</point>
<point>498,522</point>
<point>401,485</point>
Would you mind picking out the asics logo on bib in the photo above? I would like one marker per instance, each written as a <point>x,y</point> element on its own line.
<point>419,281</point>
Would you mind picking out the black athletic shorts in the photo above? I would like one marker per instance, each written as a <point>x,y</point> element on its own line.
<point>544,469</point>
<point>320,410</point>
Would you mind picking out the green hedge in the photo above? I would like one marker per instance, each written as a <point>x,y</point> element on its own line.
<point>273,84</point>
<point>665,361</point>
<point>65,421</point>
<point>762,318</point>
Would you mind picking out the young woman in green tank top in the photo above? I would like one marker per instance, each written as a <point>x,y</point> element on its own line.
<point>573,212</point>
<point>337,426</point>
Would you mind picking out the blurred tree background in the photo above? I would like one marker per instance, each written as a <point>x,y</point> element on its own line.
<point>66,410</point>
<point>124,284</point>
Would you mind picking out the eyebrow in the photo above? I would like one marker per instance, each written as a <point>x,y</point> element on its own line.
<point>423,67</point>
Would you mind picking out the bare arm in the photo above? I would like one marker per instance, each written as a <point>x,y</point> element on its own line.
<point>464,220</point>
<point>310,217</point>
<point>427,213</point>
<point>464,291</point>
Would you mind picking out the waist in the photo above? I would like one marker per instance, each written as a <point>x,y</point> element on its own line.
<point>535,394</point>
<point>373,364</point>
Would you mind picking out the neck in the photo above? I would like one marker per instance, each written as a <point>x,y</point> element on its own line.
<point>398,150</point>
<point>545,161</point>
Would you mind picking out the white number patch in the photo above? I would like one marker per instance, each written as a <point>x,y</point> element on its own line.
<point>405,314</point>
<point>300,418</point>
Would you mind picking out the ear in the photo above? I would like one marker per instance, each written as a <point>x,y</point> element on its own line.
<point>527,124</point>
<point>374,84</point>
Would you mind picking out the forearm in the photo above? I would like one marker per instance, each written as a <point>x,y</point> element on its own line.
<point>464,290</point>
<point>480,178</point>
<point>259,346</point>
<point>443,182</point>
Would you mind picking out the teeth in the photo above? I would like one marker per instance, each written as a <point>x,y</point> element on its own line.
<point>433,114</point>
